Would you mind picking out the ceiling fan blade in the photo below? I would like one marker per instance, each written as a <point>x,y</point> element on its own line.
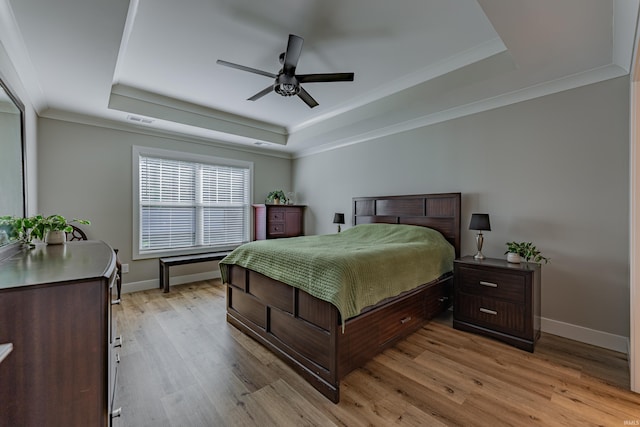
<point>291,56</point>
<point>328,77</point>
<point>244,68</point>
<point>308,99</point>
<point>260,94</point>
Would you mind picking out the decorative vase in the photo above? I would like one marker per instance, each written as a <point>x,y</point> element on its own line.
<point>56,237</point>
<point>513,258</point>
<point>276,201</point>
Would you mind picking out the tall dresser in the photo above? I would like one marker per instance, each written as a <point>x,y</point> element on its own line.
<point>55,309</point>
<point>276,221</point>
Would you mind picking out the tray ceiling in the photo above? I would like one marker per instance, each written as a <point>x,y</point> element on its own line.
<point>416,62</point>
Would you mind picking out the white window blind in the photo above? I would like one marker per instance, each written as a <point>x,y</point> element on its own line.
<point>185,204</point>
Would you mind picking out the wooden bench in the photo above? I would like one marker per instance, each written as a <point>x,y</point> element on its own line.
<point>166,263</point>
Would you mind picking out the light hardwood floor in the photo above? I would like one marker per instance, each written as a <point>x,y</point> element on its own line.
<point>183,365</point>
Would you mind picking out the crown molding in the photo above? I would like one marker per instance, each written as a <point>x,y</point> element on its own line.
<point>559,85</point>
<point>137,101</point>
<point>625,18</point>
<point>66,116</point>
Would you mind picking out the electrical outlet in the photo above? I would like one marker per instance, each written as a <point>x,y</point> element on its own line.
<point>125,268</point>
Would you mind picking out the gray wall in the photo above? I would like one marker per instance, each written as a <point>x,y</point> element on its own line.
<point>553,170</point>
<point>85,172</point>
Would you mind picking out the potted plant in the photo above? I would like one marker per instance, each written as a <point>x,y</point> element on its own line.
<point>51,229</point>
<point>17,229</point>
<point>518,251</point>
<point>276,197</point>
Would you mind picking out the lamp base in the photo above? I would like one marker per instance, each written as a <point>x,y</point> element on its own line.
<point>479,242</point>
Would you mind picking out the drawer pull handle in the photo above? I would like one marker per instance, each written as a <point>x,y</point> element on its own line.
<point>115,301</point>
<point>405,320</point>
<point>489,284</point>
<point>116,413</point>
<point>443,299</point>
<point>486,310</point>
<point>117,342</point>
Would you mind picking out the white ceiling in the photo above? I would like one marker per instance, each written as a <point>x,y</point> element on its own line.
<point>416,62</point>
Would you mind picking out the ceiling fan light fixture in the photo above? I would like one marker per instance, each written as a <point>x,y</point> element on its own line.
<point>286,85</point>
<point>286,89</point>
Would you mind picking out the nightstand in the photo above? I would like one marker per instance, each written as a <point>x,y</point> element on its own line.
<point>498,299</point>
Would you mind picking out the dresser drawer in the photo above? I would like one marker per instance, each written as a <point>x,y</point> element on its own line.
<point>492,284</point>
<point>495,314</point>
<point>276,214</point>
<point>114,364</point>
<point>276,228</point>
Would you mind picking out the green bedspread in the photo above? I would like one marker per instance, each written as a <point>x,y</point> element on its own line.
<point>354,269</point>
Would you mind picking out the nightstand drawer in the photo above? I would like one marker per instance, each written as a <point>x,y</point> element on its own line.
<point>492,284</point>
<point>495,314</point>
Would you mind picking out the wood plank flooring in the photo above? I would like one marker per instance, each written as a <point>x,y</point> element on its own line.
<point>183,365</point>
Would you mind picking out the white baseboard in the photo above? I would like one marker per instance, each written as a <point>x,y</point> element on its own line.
<point>177,280</point>
<point>567,330</point>
<point>590,336</point>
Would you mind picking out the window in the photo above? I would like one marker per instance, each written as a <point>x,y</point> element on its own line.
<point>186,203</point>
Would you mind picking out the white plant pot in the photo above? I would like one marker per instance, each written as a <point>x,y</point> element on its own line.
<point>56,237</point>
<point>514,258</point>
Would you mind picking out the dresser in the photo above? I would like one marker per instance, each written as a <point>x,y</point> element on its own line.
<point>498,299</point>
<point>276,221</point>
<point>55,309</point>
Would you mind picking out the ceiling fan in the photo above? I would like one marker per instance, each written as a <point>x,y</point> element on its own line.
<point>287,82</point>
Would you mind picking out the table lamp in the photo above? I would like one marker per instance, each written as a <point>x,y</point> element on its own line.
<point>481,223</point>
<point>338,218</point>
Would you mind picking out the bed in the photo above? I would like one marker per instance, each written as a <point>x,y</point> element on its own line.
<point>323,341</point>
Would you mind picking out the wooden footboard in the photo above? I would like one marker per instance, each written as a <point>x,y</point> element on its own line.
<point>307,332</point>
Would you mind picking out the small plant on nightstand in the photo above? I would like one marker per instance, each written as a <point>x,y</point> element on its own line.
<point>517,251</point>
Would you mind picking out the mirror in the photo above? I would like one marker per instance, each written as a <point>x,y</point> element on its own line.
<point>12,179</point>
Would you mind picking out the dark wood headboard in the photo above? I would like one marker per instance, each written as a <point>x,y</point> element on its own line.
<point>438,211</point>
